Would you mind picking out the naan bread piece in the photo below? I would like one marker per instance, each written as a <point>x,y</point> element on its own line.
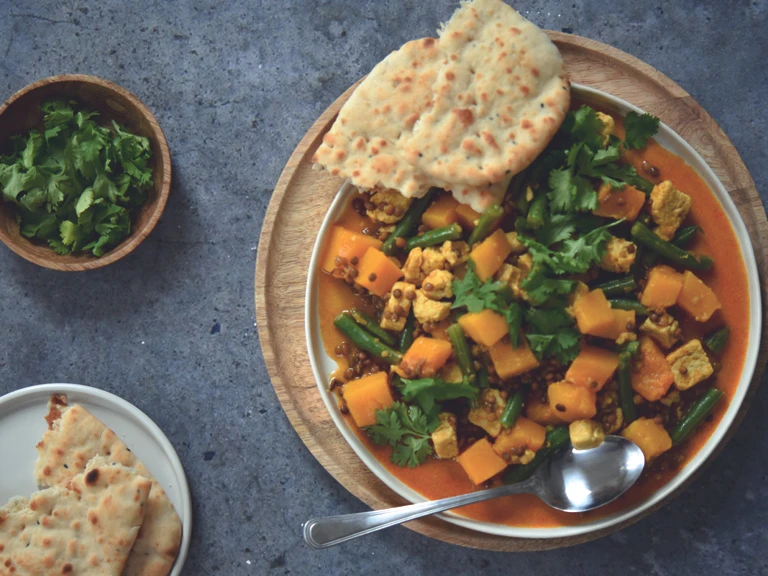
<point>88,530</point>
<point>74,437</point>
<point>498,99</point>
<point>364,143</point>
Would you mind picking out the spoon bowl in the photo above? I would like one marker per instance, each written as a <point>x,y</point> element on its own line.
<point>570,480</point>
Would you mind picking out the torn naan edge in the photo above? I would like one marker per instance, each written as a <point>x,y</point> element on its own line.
<point>499,98</point>
<point>86,530</point>
<point>73,438</point>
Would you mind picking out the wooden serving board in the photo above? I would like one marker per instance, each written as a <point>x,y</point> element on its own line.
<point>302,198</point>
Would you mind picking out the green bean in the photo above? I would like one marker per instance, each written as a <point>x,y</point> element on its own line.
<point>669,251</point>
<point>482,378</point>
<point>436,236</point>
<point>537,211</point>
<point>645,219</point>
<point>626,393</point>
<point>406,336</point>
<point>487,220</point>
<point>685,236</point>
<point>556,439</point>
<point>697,412</point>
<point>512,410</point>
<point>461,351</point>
<point>621,304</point>
<point>361,338</point>
<point>618,287</point>
<point>647,258</point>
<point>409,222</point>
<point>717,340</point>
<point>372,326</point>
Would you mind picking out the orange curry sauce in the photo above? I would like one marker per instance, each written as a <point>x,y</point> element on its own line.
<point>728,278</point>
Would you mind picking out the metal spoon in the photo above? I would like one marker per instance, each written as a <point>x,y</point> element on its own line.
<point>570,480</point>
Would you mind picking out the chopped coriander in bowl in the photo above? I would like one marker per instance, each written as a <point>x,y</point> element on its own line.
<point>84,172</point>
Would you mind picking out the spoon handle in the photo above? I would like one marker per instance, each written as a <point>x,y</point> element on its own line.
<point>332,530</point>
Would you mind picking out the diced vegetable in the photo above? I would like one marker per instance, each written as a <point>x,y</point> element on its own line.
<point>541,412</point>
<point>509,361</point>
<point>697,298</point>
<point>696,415</point>
<point>690,365</point>
<point>662,289</point>
<point>626,392</point>
<point>364,340</point>
<point>556,439</point>
<point>408,223</point>
<point>625,203</point>
<point>668,250</point>
<point>366,395</point>
<point>651,375</point>
<point>481,462</point>
<point>490,254</point>
<point>432,237</point>
<point>426,356</point>
<point>346,244</point>
<point>372,326</point>
<point>466,216</point>
<point>461,350</point>
<point>488,219</point>
<point>441,213</point>
<point>586,434</point>
<point>485,327</point>
<point>623,321</point>
<point>572,402</point>
<point>618,287</point>
<point>593,367</point>
<point>717,340</point>
<point>593,313</point>
<point>524,434</point>
<point>537,211</point>
<point>649,436</point>
<point>513,409</point>
<point>633,305</point>
<point>377,272</point>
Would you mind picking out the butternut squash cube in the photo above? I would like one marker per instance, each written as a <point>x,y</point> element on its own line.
<point>697,298</point>
<point>481,462</point>
<point>377,272</point>
<point>509,361</point>
<point>593,367</point>
<point>347,244</point>
<point>442,212</point>
<point>489,255</point>
<point>619,203</point>
<point>623,321</point>
<point>485,327</point>
<point>650,436</point>
<point>650,374</point>
<point>525,434</point>
<point>593,313</point>
<point>663,288</point>
<point>425,357</point>
<point>466,216</point>
<point>541,412</point>
<point>366,395</point>
<point>572,402</point>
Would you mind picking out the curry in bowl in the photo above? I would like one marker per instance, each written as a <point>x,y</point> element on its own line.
<point>604,294</point>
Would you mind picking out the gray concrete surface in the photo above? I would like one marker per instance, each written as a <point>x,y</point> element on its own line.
<point>171,327</point>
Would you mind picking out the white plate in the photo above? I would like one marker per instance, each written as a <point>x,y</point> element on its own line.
<point>323,365</point>
<point>22,425</point>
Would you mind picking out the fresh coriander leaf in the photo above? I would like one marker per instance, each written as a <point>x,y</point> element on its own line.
<point>427,392</point>
<point>550,333</point>
<point>606,155</point>
<point>556,228</point>
<point>57,112</point>
<point>407,429</point>
<point>85,201</point>
<point>585,126</point>
<point>570,192</point>
<point>32,150</point>
<point>542,288</point>
<point>638,129</point>
<point>69,232</point>
<point>473,294</point>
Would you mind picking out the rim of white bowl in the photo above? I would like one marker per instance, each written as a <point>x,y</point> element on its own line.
<point>323,365</point>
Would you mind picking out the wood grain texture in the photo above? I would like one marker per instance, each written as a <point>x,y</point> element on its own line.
<point>21,112</point>
<point>302,197</point>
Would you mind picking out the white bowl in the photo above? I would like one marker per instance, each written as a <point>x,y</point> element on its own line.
<point>323,365</point>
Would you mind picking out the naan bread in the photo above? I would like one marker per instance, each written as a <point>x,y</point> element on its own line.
<point>74,437</point>
<point>498,100</point>
<point>88,530</point>
<point>465,113</point>
<point>365,143</point>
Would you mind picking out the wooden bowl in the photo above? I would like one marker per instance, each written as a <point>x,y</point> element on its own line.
<point>21,112</point>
